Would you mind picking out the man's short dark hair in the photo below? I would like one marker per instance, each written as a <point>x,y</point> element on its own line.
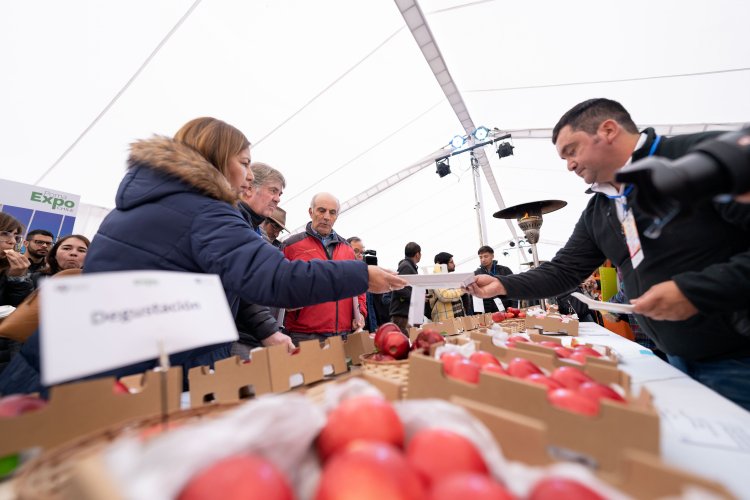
<point>485,249</point>
<point>353,239</point>
<point>588,115</point>
<point>43,232</point>
<point>443,258</point>
<point>412,249</point>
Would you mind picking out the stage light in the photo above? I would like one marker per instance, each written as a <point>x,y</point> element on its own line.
<point>458,141</point>
<point>481,134</point>
<point>504,149</point>
<point>443,167</point>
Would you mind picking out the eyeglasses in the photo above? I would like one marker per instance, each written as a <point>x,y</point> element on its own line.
<point>7,235</point>
<point>43,243</point>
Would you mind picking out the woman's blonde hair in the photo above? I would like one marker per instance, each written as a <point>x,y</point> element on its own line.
<point>214,139</point>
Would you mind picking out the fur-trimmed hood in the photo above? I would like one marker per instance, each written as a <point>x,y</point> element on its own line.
<point>155,164</point>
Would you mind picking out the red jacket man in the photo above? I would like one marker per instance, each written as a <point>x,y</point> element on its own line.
<point>320,241</point>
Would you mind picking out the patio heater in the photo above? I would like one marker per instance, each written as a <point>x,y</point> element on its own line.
<point>529,217</point>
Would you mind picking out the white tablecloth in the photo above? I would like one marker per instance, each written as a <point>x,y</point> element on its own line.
<point>701,431</point>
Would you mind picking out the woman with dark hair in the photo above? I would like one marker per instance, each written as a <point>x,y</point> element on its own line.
<point>68,253</point>
<point>176,210</point>
<point>15,284</point>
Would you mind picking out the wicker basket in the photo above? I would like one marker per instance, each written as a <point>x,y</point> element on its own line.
<point>43,477</point>
<point>396,370</point>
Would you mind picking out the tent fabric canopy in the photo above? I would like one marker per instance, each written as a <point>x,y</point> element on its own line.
<point>338,96</point>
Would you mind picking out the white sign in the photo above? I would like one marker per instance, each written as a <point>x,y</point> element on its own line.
<point>97,322</point>
<point>38,198</point>
<point>440,280</point>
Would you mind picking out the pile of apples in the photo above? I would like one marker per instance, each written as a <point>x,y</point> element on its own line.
<point>577,353</point>
<point>510,313</point>
<point>364,455</point>
<point>393,345</point>
<point>567,386</point>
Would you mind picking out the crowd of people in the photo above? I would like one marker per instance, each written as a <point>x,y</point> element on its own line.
<point>197,203</point>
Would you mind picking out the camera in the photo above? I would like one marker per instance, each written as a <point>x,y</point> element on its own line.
<point>370,257</point>
<point>714,167</point>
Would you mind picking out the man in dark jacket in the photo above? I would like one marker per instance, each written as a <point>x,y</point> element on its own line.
<point>400,299</point>
<point>488,265</point>
<point>680,280</point>
<point>38,243</point>
<point>320,242</point>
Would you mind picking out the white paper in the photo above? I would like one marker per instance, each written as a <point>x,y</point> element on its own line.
<point>604,306</point>
<point>6,310</point>
<point>416,305</point>
<point>440,280</point>
<point>499,304</point>
<point>707,431</point>
<point>97,322</point>
<point>478,304</point>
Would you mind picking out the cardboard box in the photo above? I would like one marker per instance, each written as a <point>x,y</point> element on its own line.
<point>80,408</point>
<point>553,324</point>
<point>597,440</point>
<point>608,356</point>
<point>311,362</point>
<point>601,370</point>
<point>640,474</point>
<point>357,344</point>
<point>231,380</point>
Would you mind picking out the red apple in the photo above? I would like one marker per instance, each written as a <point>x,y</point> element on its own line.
<point>563,352</point>
<point>550,344</point>
<point>370,471</point>
<point>379,356</point>
<point>238,477</point>
<point>522,368</point>
<point>483,357</point>
<point>18,404</point>
<point>425,339</point>
<point>468,486</point>
<point>570,400</point>
<point>558,488</point>
<point>588,351</point>
<point>518,338</point>
<point>361,418</point>
<point>120,388</point>
<point>509,315</point>
<point>396,344</point>
<point>465,370</point>
<point>598,391</point>
<point>538,378</point>
<point>449,359</point>
<point>493,368</point>
<point>382,330</point>
<point>578,357</point>
<point>437,453</point>
<point>570,377</point>
<point>522,314</point>
<point>498,317</point>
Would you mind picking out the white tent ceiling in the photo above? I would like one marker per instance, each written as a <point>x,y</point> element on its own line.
<point>338,96</point>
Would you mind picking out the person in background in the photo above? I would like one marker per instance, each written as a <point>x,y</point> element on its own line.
<point>401,299</point>
<point>15,284</point>
<point>38,243</point>
<point>446,303</point>
<point>176,210</point>
<point>320,241</point>
<point>488,265</point>
<point>377,312</point>
<point>683,287</point>
<point>273,225</point>
<point>256,324</point>
<point>68,253</point>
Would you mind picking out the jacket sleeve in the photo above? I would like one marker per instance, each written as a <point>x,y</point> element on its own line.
<point>572,264</point>
<point>404,294</point>
<point>223,243</point>
<point>724,286</point>
<point>255,321</point>
<point>448,294</point>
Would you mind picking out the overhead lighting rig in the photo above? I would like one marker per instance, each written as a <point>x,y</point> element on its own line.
<point>481,137</point>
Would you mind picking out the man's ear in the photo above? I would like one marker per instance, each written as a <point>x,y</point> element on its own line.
<point>608,130</point>
<point>309,211</point>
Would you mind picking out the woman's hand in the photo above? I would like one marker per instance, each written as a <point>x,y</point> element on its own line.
<point>18,264</point>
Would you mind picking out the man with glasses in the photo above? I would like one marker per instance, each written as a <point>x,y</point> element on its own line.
<point>38,243</point>
<point>273,225</point>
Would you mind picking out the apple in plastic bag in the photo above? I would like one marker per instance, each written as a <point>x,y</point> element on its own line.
<point>600,391</point>
<point>237,478</point>
<point>449,359</point>
<point>370,471</point>
<point>465,370</point>
<point>570,376</point>
<point>538,378</point>
<point>436,453</point>
<point>483,357</point>
<point>468,486</point>
<point>493,368</point>
<point>522,368</point>
<point>368,418</point>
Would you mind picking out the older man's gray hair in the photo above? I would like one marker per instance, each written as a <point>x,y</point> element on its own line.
<point>265,173</point>
<point>328,195</point>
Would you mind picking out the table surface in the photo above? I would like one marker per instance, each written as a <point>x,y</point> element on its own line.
<point>701,431</point>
